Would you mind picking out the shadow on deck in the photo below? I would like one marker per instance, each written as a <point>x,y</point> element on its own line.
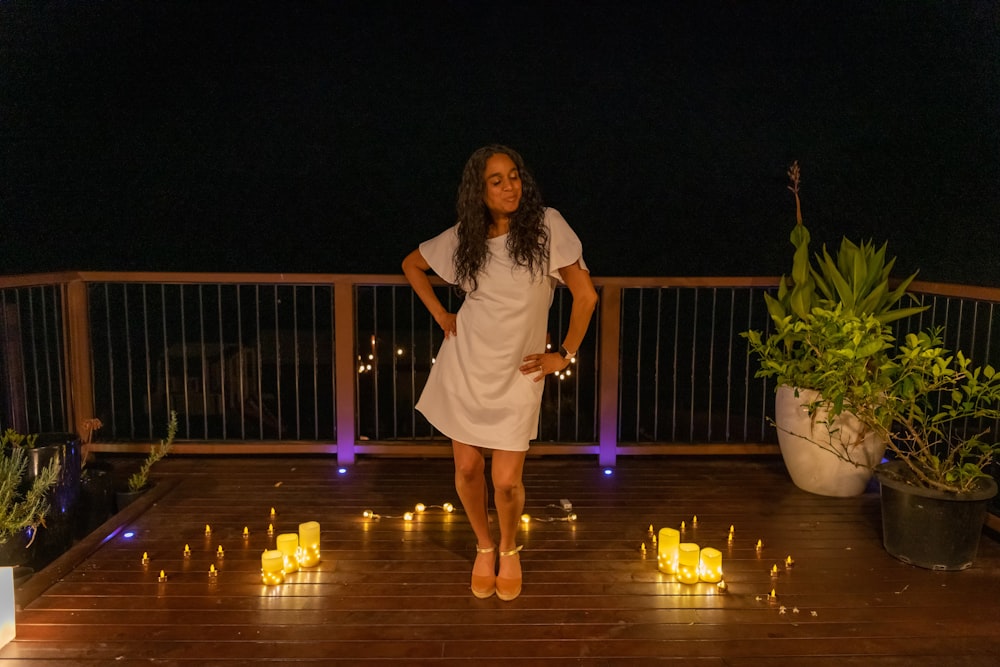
<point>395,592</point>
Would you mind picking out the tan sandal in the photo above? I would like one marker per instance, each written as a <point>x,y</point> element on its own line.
<point>508,588</point>
<point>483,586</point>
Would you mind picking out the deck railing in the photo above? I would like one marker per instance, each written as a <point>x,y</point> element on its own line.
<point>333,363</point>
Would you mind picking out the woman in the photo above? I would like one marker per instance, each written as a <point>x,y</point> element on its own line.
<point>484,392</point>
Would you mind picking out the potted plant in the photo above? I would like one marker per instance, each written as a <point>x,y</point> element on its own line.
<point>936,418</point>
<point>138,482</point>
<point>829,341</point>
<point>23,504</point>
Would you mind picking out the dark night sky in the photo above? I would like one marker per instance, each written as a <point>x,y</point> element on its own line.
<point>329,136</point>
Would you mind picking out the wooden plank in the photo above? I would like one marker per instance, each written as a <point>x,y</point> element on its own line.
<point>393,591</point>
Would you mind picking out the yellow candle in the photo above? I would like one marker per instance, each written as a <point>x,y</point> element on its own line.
<point>688,558</point>
<point>711,565</point>
<point>271,564</point>
<point>666,555</point>
<point>288,545</point>
<point>309,544</point>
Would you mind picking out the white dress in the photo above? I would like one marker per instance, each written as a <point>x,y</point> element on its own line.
<point>475,392</point>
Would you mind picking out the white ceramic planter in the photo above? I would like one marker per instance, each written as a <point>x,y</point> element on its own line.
<point>827,459</point>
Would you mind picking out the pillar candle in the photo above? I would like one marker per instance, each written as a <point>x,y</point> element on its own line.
<point>688,558</point>
<point>666,555</point>
<point>711,565</point>
<point>271,564</point>
<point>288,545</point>
<point>309,544</point>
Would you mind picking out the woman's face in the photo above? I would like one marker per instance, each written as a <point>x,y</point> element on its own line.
<point>501,186</point>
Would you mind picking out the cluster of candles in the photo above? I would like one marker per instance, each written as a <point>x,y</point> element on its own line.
<point>292,551</point>
<point>686,560</point>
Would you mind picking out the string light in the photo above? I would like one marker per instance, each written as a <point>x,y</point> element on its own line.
<point>419,508</point>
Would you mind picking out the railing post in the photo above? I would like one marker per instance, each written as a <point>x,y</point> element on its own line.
<point>610,326</point>
<point>79,373</point>
<point>344,362</point>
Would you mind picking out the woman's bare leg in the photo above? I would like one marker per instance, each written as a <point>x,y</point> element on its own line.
<point>470,482</point>
<point>507,468</point>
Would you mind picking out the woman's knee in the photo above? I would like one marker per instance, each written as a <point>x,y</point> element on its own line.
<point>469,463</point>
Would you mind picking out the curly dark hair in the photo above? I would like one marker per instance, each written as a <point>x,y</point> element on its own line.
<point>527,240</point>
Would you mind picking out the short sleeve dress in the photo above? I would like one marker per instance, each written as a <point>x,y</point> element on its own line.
<point>475,392</point>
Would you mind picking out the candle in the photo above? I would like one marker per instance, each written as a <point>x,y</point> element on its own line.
<point>208,529</point>
<point>688,558</point>
<point>246,533</point>
<point>271,563</point>
<point>212,572</point>
<point>163,577</point>
<point>220,553</point>
<point>145,558</point>
<point>288,545</point>
<point>309,544</point>
<point>666,555</point>
<point>789,562</point>
<point>710,569</point>
<point>187,551</point>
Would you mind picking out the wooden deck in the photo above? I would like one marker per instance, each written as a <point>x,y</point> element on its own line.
<point>395,592</point>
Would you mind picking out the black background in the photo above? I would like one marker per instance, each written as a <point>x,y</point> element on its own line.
<point>329,136</point>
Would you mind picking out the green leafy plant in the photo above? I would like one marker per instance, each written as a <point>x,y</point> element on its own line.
<point>20,508</point>
<point>138,480</point>
<point>836,351</point>
<point>830,318</point>
<point>936,414</point>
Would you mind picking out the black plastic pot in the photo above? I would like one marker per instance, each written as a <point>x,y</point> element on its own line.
<point>14,549</point>
<point>929,528</point>
<point>60,523</point>
<point>97,497</point>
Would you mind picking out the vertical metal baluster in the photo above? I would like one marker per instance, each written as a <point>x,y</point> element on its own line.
<point>166,351</point>
<point>676,364</point>
<point>128,362</point>
<point>638,367</point>
<point>621,357</point>
<point>375,364</point>
<point>656,365</point>
<point>148,353</point>
<point>34,357</point>
<point>413,363</point>
<point>202,361</point>
<point>297,357</point>
<point>694,362</point>
<point>223,396</point>
<point>277,363</point>
<point>47,349</point>
<point>711,362</point>
<point>260,365</point>
<point>395,366</point>
<point>315,357</point>
<point>241,362</point>
<point>111,360</point>
<point>729,363</point>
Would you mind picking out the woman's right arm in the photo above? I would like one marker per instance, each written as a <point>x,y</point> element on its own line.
<point>415,268</point>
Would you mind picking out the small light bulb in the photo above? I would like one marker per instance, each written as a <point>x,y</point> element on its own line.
<point>367,514</point>
<point>525,518</point>
<point>571,517</point>
<point>448,507</point>
<point>420,507</point>
<point>408,516</point>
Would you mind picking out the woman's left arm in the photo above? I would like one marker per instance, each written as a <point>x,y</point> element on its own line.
<point>584,300</point>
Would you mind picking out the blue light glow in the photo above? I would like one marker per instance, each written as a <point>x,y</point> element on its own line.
<point>342,470</point>
<point>128,535</point>
<point>608,471</point>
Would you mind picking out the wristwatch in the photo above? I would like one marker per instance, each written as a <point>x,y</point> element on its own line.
<point>566,354</point>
